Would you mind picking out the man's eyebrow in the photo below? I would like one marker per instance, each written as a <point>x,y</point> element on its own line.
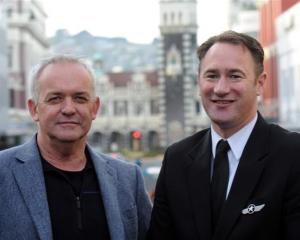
<point>61,93</point>
<point>236,70</point>
<point>81,93</point>
<point>212,70</point>
<point>54,93</point>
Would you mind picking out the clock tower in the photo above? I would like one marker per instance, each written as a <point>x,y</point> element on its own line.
<point>178,68</point>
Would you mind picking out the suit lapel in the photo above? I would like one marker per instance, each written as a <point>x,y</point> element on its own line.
<point>198,182</point>
<point>107,179</point>
<point>29,177</point>
<point>247,175</point>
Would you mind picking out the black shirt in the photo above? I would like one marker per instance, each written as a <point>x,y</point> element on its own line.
<point>75,203</point>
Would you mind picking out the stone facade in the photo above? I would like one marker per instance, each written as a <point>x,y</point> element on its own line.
<point>129,103</point>
<point>178,70</point>
<point>26,45</point>
<point>163,106</point>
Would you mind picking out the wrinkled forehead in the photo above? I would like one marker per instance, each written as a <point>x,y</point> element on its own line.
<point>64,67</point>
<point>65,70</point>
<point>66,76</point>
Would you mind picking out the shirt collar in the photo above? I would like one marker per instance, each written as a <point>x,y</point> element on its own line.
<point>237,141</point>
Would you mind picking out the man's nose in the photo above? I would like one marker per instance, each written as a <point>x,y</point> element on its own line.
<point>68,106</point>
<point>222,86</point>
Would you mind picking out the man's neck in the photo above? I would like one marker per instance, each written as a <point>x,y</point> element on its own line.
<point>226,131</point>
<point>65,156</point>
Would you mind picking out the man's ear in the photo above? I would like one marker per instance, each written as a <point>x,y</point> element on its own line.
<point>260,83</point>
<point>199,84</point>
<point>32,107</point>
<point>96,107</point>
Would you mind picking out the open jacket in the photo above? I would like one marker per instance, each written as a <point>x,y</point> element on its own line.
<point>24,212</point>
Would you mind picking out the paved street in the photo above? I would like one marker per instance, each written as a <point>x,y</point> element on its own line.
<point>151,168</point>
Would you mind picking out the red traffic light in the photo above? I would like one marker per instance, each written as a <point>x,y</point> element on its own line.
<point>136,134</point>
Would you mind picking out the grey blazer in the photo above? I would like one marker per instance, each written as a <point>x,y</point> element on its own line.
<point>24,212</point>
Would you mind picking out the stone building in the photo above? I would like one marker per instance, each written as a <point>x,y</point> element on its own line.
<point>26,45</point>
<point>129,116</point>
<point>149,110</point>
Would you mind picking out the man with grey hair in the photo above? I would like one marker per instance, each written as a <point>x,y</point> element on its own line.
<point>55,186</point>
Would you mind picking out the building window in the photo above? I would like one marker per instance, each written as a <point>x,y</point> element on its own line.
<point>138,108</point>
<point>172,18</point>
<point>180,18</point>
<point>12,98</point>
<point>165,18</point>
<point>173,61</point>
<point>10,56</point>
<point>120,108</point>
<point>97,139</point>
<point>154,106</point>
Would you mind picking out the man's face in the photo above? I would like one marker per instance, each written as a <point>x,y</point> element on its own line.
<point>229,87</point>
<point>66,105</point>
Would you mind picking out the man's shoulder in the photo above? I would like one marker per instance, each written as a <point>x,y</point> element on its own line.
<point>25,151</point>
<point>284,135</point>
<point>7,154</point>
<point>189,142</point>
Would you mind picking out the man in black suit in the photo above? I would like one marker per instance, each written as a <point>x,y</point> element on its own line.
<point>258,186</point>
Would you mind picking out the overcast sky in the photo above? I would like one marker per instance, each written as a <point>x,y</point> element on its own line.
<point>137,20</point>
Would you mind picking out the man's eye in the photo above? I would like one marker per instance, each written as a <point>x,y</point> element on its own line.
<point>53,100</point>
<point>211,76</point>
<point>235,76</point>
<point>81,99</point>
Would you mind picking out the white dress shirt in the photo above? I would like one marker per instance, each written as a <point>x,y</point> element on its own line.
<point>237,144</point>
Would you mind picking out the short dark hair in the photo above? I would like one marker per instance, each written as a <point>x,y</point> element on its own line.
<point>235,38</point>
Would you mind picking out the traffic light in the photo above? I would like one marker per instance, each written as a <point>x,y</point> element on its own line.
<point>136,134</point>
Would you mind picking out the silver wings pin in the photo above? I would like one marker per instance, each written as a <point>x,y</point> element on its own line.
<point>252,209</point>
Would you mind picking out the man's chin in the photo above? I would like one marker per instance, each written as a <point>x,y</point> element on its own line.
<point>220,119</point>
<point>68,138</point>
<point>222,122</point>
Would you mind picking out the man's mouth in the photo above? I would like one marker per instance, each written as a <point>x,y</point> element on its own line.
<point>68,123</point>
<point>222,101</point>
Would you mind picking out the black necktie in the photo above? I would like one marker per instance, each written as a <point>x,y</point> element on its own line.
<point>219,180</point>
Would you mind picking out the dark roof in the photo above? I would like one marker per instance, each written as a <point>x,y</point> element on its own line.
<point>122,79</point>
<point>152,78</point>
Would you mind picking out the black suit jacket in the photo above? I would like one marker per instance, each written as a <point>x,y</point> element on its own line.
<point>268,173</point>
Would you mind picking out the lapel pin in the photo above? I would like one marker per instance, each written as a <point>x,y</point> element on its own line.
<point>252,209</point>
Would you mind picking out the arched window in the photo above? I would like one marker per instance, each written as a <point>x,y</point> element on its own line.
<point>180,18</point>
<point>172,18</point>
<point>174,65</point>
<point>165,18</point>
